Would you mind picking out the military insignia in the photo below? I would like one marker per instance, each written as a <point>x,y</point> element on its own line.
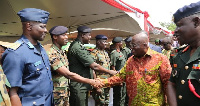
<point>182,81</point>
<point>195,66</point>
<point>180,97</point>
<point>184,50</point>
<point>174,73</point>
<point>172,54</point>
<point>175,65</point>
<point>30,45</point>
<point>37,63</point>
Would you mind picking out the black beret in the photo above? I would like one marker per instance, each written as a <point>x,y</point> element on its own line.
<point>117,39</point>
<point>186,11</point>
<point>33,14</point>
<point>101,37</point>
<point>58,30</point>
<point>84,29</point>
<point>128,39</point>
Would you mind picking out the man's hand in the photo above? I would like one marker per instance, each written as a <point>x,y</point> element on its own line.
<point>96,83</point>
<point>113,72</point>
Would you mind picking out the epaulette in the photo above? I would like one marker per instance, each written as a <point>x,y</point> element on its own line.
<point>181,48</point>
<point>15,45</point>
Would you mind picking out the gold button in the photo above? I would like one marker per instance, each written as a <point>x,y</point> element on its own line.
<point>38,69</point>
<point>34,102</point>
<point>186,67</point>
<point>180,97</point>
<point>182,82</point>
<point>47,68</point>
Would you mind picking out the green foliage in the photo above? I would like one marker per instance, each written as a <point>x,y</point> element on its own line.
<point>169,25</point>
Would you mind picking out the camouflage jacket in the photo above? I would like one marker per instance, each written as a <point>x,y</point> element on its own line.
<point>101,57</point>
<point>4,98</point>
<point>58,59</point>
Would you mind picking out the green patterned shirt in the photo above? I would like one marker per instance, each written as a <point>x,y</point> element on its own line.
<point>58,59</point>
<point>101,57</point>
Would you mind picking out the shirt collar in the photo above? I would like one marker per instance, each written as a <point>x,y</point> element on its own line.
<point>26,41</point>
<point>56,48</point>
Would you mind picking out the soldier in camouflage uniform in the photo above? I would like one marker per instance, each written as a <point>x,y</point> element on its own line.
<point>59,65</point>
<point>4,97</point>
<point>117,62</point>
<point>101,57</point>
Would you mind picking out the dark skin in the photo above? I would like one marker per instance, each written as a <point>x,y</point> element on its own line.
<point>34,32</point>
<point>85,38</point>
<point>139,45</point>
<point>187,32</point>
<point>101,45</point>
<point>59,41</point>
<point>167,43</point>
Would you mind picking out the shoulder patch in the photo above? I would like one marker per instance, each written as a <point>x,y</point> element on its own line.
<point>15,45</point>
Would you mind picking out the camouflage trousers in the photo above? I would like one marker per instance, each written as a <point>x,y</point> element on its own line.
<point>101,98</point>
<point>61,100</point>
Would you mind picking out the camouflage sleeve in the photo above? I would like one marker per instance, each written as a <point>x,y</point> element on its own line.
<point>55,61</point>
<point>93,54</point>
<point>54,58</point>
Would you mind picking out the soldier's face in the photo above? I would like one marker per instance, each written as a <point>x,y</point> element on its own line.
<point>38,31</point>
<point>62,39</point>
<point>86,38</point>
<point>186,30</point>
<point>1,52</point>
<point>102,44</point>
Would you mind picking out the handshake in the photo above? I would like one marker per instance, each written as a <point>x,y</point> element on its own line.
<point>97,83</point>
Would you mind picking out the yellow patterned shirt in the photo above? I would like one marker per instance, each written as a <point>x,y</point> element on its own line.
<point>146,79</point>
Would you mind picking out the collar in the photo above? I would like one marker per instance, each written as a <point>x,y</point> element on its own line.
<point>56,48</point>
<point>184,50</point>
<point>150,52</point>
<point>26,41</point>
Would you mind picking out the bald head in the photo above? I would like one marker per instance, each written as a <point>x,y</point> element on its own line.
<point>141,37</point>
<point>139,44</point>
